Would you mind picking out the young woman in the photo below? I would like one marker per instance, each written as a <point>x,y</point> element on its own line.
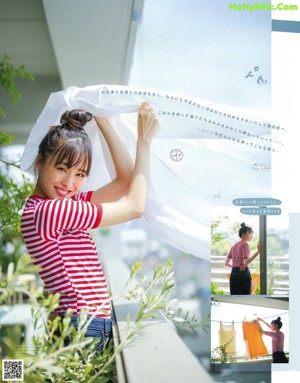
<point>57,216</point>
<point>238,259</point>
<point>277,339</point>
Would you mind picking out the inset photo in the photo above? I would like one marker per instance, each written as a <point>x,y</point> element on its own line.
<point>249,253</point>
<point>249,330</point>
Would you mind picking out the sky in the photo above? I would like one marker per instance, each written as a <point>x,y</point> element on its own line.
<point>204,50</point>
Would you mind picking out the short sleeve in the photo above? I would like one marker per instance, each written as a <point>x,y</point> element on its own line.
<point>53,216</point>
<point>85,196</point>
<point>245,250</point>
<point>229,256</point>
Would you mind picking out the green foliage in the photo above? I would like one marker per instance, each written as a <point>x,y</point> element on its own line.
<point>12,200</point>
<point>13,196</point>
<point>12,282</point>
<point>277,246</point>
<point>273,275</point>
<point>215,290</point>
<point>8,73</point>
<point>152,296</point>
<point>220,355</point>
<point>51,360</point>
<point>217,234</point>
<point>5,138</point>
<point>257,290</point>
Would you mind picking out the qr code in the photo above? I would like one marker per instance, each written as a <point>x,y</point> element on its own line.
<point>12,369</point>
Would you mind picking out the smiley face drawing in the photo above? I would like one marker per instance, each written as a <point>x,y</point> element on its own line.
<point>176,155</point>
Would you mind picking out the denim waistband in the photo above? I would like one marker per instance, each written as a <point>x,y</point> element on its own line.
<point>101,323</point>
<point>53,315</point>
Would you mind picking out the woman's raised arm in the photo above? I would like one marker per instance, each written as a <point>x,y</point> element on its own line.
<point>123,163</point>
<point>134,204</point>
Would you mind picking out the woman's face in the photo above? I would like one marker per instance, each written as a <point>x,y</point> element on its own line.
<point>247,236</point>
<point>58,181</point>
<point>274,327</point>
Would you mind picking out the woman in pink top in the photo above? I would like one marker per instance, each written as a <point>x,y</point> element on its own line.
<point>238,259</point>
<point>277,339</point>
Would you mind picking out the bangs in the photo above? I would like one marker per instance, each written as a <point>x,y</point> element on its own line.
<point>71,154</point>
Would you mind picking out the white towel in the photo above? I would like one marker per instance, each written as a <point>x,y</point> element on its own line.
<point>204,154</point>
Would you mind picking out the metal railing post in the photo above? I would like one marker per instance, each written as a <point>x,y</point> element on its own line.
<point>263,254</point>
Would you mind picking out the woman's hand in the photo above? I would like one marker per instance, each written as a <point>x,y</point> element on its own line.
<point>259,246</point>
<point>147,123</point>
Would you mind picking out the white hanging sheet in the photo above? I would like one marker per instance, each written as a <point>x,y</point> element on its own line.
<point>204,154</point>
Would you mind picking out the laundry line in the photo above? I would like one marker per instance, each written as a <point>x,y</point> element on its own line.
<point>233,321</point>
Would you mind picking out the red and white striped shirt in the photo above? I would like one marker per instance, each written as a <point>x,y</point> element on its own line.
<point>56,236</point>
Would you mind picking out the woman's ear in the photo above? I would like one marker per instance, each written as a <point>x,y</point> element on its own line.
<point>38,162</point>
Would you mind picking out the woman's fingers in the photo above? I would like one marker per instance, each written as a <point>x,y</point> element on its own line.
<point>145,109</point>
<point>144,106</point>
<point>147,122</point>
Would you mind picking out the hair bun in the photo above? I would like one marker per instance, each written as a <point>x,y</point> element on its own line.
<point>278,318</point>
<point>243,224</point>
<point>75,118</point>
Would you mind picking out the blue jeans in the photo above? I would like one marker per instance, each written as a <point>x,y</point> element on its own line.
<point>99,328</point>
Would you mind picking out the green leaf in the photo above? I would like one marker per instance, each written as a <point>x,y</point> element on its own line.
<point>8,73</point>
<point>5,138</point>
<point>88,369</point>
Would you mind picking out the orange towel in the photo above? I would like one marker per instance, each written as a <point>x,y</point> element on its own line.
<point>255,282</point>
<point>227,333</point>
<point>253,338</point>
